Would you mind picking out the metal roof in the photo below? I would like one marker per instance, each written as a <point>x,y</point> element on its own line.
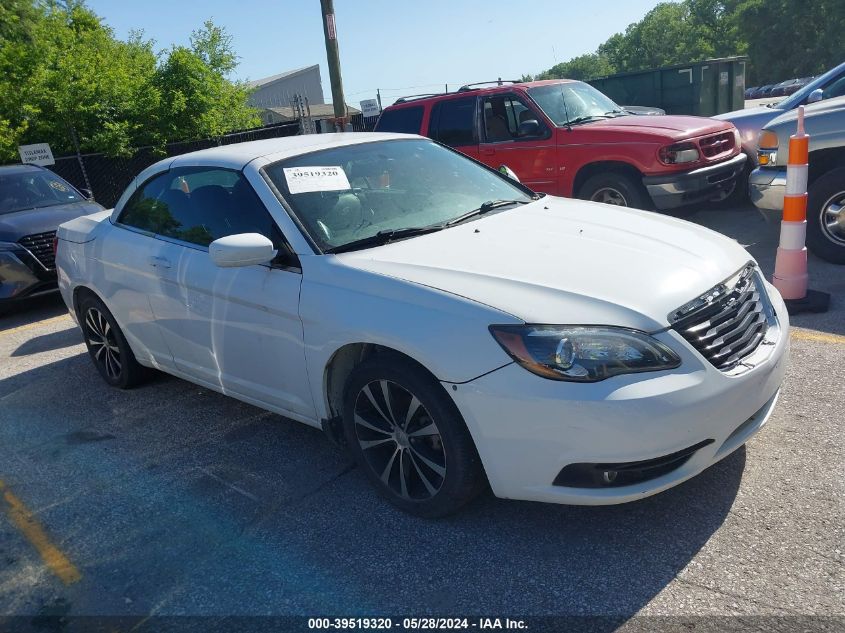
<point>257,83</point>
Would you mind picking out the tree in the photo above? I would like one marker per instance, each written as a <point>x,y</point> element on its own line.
<point>783,39</point>
<point>214,46</point>
<point>583,67</point>
<point>196,101</point>
<point>61,68</point>
<point>794,38</point>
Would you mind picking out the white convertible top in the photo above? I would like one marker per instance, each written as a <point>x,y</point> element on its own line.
<point>237,155</point>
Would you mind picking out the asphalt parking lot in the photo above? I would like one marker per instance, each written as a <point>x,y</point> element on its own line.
<point>171,500</point>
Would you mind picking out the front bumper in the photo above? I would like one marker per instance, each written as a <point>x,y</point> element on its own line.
<point>766,187</point>
<point>18,280</point>
<point>698,185</point>
<point>528,429</point>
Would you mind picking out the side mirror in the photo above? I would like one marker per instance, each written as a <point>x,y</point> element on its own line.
<point>815,96</point>
<point>510,173</point>
<point>531,127</point>
<point>244,249</point>
<point>89,195</point>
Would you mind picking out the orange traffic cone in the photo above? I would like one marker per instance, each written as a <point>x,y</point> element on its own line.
<point>790,276</point>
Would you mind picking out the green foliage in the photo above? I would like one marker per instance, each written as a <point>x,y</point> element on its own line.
<point>62,68</point>
<point>587,66</point>
<point>783,39</point>
<point>792,38</point>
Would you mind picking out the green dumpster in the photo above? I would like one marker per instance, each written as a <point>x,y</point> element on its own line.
<point>705,88</point>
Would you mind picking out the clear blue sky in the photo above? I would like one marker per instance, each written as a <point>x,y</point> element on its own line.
<point>400,46</point>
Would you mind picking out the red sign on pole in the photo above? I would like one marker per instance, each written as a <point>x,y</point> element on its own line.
<point>330,26</point>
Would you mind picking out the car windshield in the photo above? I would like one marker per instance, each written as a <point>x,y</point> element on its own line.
<point>800,96</point>
<point>33,190</point>
<point>574,102</point>
<point>346,195</point>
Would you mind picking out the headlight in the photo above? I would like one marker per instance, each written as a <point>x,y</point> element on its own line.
<point>583,354</point>
<point>767,148</point>
<point>678,153</point>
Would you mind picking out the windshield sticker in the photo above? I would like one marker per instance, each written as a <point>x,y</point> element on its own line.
<point>57,185</point>
<point>308,179</point>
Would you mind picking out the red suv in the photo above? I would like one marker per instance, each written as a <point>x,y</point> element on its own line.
<point>566,138</point>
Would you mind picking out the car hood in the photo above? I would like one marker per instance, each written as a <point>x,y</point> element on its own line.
<point>14,226</point>
<point>760,112</point>
<point>670,126</point>
<point>818,109</point>
<point>566,262</point>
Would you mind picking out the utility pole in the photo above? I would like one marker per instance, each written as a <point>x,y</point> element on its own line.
<point>378,97</point>
<point>333,56</point>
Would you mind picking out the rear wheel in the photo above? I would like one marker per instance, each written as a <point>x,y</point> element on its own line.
<point>614,188</point>
<point>409,438</point>
<point>826,217</point>
<point>107,346</point>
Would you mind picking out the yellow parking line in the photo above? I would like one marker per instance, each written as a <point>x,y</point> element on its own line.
<point>35,534</point>
<point>29,326</point>
<point>811,335</point>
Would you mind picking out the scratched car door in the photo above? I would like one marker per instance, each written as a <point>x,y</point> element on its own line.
<point>235,329</point>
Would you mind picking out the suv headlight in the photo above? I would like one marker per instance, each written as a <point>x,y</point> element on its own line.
<point>678,153</point>
<point>767,148</point>
<point>581,353</point>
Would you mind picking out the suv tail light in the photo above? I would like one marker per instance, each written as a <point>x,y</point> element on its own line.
<point>678,153</point>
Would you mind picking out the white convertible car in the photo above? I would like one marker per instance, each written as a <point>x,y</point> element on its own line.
<point>448,325</point>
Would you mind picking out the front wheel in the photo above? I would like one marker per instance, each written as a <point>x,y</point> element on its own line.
<point>409,438</point>
<point>826,216</point>
<point>614,188</point>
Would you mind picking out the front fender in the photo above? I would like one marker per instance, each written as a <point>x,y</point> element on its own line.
<point>447,334</point>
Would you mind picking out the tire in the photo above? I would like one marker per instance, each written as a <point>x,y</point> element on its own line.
<point>107,346</point>
<point>615,188</point>
<point>425,464</point>
<point>825,203</point>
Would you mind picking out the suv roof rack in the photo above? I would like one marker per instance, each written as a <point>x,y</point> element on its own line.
<point>498,82</point>
<point>421,96</point>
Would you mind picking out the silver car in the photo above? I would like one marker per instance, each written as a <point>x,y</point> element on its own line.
<point>825,123</point>
<point>750,121</point>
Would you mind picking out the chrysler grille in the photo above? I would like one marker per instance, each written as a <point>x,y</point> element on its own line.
<point>727,323</point>
<point>41,247</point>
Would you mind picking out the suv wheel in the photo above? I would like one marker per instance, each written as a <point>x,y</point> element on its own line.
<point>826,217</point>
<point>614,188</point>
<point>107,346</point>
<point>409,438</point>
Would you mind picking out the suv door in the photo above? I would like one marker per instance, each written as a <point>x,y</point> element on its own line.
<point>234,329</point>
<point>454,122</point>
<point>532,157</point>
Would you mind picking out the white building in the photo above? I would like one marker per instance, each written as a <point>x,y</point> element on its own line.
<point>278,90</point>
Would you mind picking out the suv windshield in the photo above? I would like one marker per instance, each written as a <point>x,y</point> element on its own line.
<point>346,195</point>
<point>33,190</point>
<point>573,102</point>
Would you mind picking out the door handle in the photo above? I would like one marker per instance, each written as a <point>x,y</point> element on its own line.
<point>159,262</point>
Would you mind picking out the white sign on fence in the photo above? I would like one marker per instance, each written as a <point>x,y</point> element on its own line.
<point>36,154</point>
<point>369,107</point>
